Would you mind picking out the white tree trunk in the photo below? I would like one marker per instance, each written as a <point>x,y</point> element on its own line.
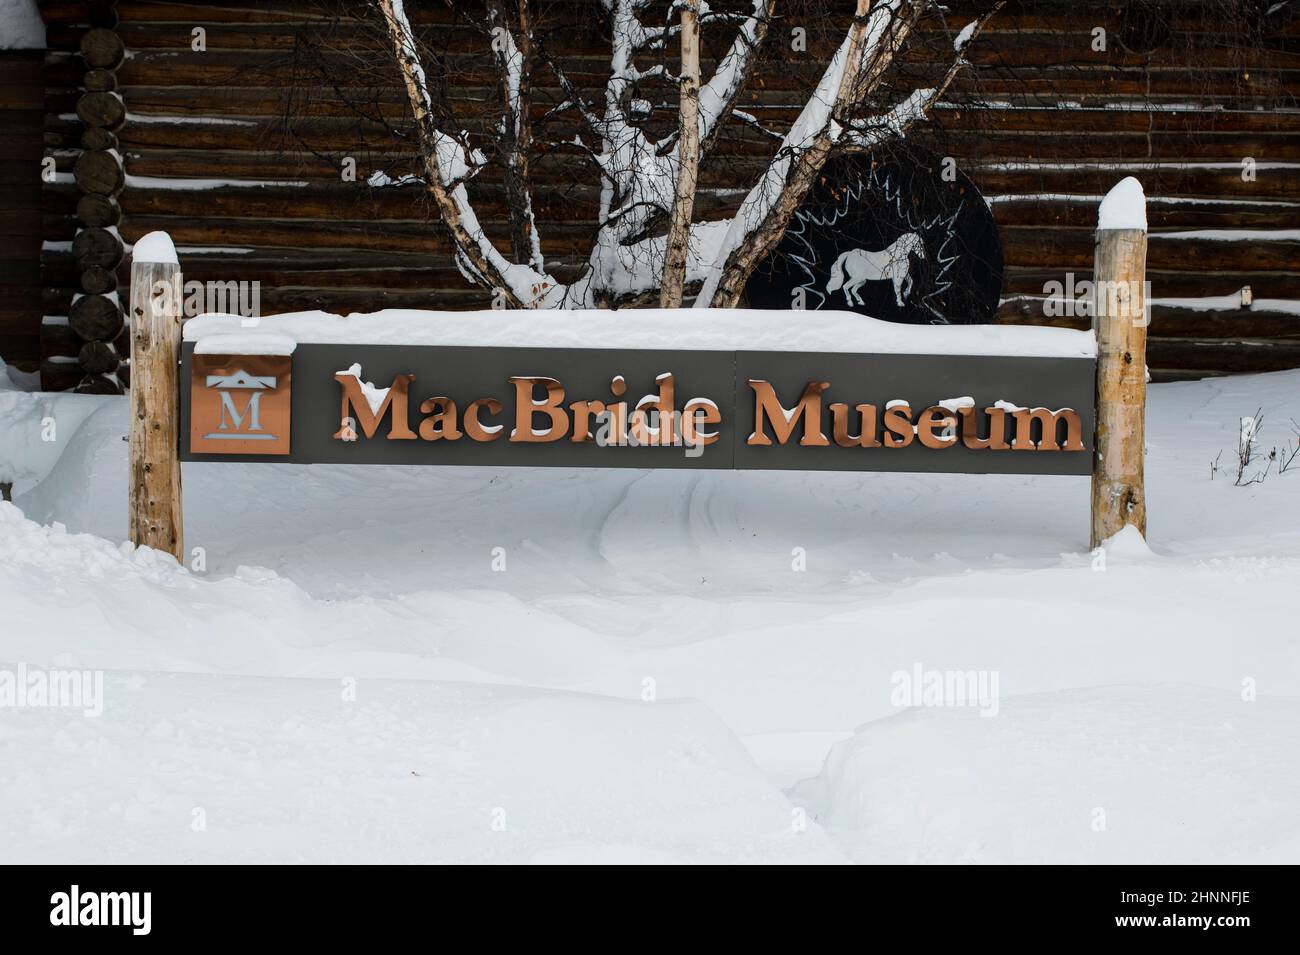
<point>447,164</point>
<point>645,184</point>
<point>855,71</point>
<point>673,281</point>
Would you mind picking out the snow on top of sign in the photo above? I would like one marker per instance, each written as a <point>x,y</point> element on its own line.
<point>231,343</point>
<point>1125,206</point>
<point>374,396</point>
<point>155,247</point>
<point>956,404</point>
<point>675,329</point>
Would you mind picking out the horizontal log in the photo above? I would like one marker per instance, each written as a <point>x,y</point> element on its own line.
<point>59,198</point>
<point>978,110</point>
<point>22,80</point>
<point>99,172</point>
<point>97,280</point>
<point>97,13</point>
<point>1231,88</point>
<point>1249,323</point>
<point>22,351</point>
<point>100,81</point>
<point>431,269</point>
<point>342,136</point>
<point>419,236</point>
<point>468,57</point>
<point>1162,376</point>
<point>96,318</point>
<point>60,277</point>
<point>1033,281</point>
<point>1124,118</point>
<point>20,144</point>
<point>97,247</point>
<point>1041,16</point>
<point>59,375</point>
<point>102,48</point>
<point>57,301</point>
<point>338,201</point>
<point>1073,248</point>
<point>57,228</point>
<point>98,211</point>
<point>439,274</point>
<point>1023,245</point>
<point>1178,266</point>
<point>20,223</point>
<point>99,385</point>
<point>343,301</point>
<point>64,70</point>
<point>569,30</point>
<point>98,357</point>
<point>1216,181</point>
<point>1094,89</point>
<point>1160,215</point>
<point>1173,323</point>
<point>94,137</point>
<point>59,335</point>
<point>20,270</point>
<point>1223,356</point>
<point>104,110</point>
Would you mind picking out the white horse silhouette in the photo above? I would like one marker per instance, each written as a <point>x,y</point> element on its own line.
<point>856,267</point>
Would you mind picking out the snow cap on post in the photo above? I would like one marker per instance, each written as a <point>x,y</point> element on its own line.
<point>155,247</point>
<point>1125,207</point>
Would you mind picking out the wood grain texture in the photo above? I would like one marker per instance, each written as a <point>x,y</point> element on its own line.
<point>154,493</point>
<point>1118,487</point>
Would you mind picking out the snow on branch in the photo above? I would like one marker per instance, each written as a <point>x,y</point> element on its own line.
<point>866,134</point>
<point>718,95</point>
<point>448,163</point>
<point>642,181</point>
<point>513,67</point>
<point>857,70</point>
<point>767,209</point>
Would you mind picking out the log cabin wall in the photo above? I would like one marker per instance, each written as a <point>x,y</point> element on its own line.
<point>238,150</point>
<point>22,106</point>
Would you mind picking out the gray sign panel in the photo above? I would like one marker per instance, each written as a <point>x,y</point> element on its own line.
<point>465,374</point>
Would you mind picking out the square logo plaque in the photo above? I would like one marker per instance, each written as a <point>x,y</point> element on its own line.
<point>239,404</point>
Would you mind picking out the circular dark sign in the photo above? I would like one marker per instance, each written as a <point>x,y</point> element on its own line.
<point>902,236</point>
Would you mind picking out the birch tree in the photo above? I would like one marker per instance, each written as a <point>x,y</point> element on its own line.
<point>673,281</point>
<point>644,238</point>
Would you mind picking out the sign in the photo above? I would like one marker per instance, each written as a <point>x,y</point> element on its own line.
<point>240,404</point>
<point>902,236</point>
<point>641,408</point>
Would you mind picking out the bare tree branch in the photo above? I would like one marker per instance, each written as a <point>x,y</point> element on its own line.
<point>514,67</point>
<point>766,211</point>
<point>855,73</point>
<point>864,135</point>
<point>447,163</point>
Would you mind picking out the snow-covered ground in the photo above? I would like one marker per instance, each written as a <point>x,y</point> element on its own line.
<point>400,664</point>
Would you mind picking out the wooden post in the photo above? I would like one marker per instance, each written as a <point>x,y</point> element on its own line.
<point>1120,322</point>
<point>155,481</point>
